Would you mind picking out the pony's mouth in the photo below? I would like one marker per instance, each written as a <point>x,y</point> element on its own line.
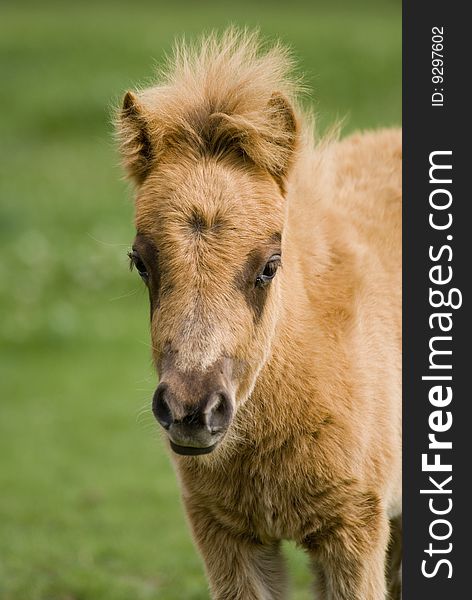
<point>192,450</point>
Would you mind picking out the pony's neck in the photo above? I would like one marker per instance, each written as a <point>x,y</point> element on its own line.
<point>287,387</point>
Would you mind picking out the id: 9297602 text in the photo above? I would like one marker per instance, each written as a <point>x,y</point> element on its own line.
<point>437,66</point>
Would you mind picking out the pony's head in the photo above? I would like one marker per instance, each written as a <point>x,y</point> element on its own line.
<point>210,149</point>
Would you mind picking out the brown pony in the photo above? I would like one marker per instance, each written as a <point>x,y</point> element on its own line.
<point>273,269</point>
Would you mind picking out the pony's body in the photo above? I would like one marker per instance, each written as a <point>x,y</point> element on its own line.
<point>312,443</point>
<point>335,360</point>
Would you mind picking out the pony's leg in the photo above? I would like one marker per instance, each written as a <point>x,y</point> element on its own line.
<point>356,570</point>
<point>238,568</point>
<point>320,580</point>
<point>351,556</point>
<point>394,559</point>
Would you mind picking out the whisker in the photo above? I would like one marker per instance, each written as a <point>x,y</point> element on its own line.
<point>111,244</point>
<point>126,295</point>
<point>147,344</point>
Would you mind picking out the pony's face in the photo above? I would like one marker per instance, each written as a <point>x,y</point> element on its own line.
<point>208,247</point>
<point>210,150</point>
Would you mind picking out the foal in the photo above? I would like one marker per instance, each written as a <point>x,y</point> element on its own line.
<point>273,269</point>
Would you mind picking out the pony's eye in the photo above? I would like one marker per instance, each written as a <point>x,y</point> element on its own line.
<point>136,261</point>
<point>269,271</point>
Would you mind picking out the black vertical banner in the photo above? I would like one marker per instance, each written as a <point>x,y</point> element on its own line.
<point>437,261</point>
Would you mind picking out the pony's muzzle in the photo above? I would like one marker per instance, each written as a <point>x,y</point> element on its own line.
<point>194,415</point>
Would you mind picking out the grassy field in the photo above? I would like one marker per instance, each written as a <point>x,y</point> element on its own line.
<point>89,506</point>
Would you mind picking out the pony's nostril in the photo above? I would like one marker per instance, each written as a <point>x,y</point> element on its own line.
<point>160,407</point>
<point>219,411</point>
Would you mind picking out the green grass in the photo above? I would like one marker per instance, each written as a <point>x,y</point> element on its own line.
<point>89,506</point>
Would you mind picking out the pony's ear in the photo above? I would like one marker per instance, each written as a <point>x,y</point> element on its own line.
<point>134,138</point>
<point>272,144</point>
<point>286,129</point>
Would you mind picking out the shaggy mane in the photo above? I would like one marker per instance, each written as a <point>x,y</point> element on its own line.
<point>221,94</point>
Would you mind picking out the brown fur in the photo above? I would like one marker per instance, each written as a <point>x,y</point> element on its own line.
<point>225,164</point>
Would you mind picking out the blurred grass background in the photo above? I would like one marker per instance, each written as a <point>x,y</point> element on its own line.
<point>89,505</point>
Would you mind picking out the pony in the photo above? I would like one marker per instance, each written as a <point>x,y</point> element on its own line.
<point>273,266</point>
